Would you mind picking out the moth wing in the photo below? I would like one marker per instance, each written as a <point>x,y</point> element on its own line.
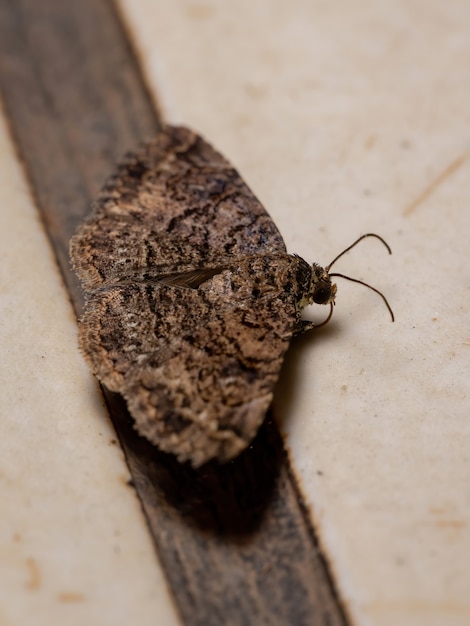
<point>173,206</point>
<point>197,368</point>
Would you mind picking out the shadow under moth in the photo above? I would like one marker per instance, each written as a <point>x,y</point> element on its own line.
<point>191,297</point>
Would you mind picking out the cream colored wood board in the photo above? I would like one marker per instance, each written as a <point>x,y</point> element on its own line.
<point>346,118</point>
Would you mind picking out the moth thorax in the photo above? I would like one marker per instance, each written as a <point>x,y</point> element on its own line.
<point>322,290</point>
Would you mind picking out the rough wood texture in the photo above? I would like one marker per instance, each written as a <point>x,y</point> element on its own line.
<point>76,104</point>
<point>234,541</point>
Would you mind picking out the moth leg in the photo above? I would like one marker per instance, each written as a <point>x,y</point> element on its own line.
<point>303,326</point>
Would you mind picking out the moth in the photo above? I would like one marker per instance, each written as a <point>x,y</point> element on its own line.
<point>191,296</point>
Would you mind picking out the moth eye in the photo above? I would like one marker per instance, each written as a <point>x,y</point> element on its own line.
<point>322,292</point>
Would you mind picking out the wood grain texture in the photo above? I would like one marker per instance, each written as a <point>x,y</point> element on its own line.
<point>235,541</point>
<point>76,103</point>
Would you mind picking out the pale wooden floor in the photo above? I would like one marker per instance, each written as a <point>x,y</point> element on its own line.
<point>351,117</point>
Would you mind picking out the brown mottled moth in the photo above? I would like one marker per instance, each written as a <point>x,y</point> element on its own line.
<point>191,297</point>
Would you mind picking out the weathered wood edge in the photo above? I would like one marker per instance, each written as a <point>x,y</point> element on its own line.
<point>236,543</point>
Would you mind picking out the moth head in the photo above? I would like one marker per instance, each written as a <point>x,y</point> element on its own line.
<point>322,290</point>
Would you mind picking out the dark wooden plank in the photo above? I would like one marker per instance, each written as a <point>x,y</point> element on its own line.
<point>235,541</point>
<point>76,103</point>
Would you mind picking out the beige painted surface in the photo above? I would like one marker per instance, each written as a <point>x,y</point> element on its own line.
<point>345,118</point>
<point>74,547</point>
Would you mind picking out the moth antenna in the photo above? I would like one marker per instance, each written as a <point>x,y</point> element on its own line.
<point>356,280</point>
<point>355,244</point>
